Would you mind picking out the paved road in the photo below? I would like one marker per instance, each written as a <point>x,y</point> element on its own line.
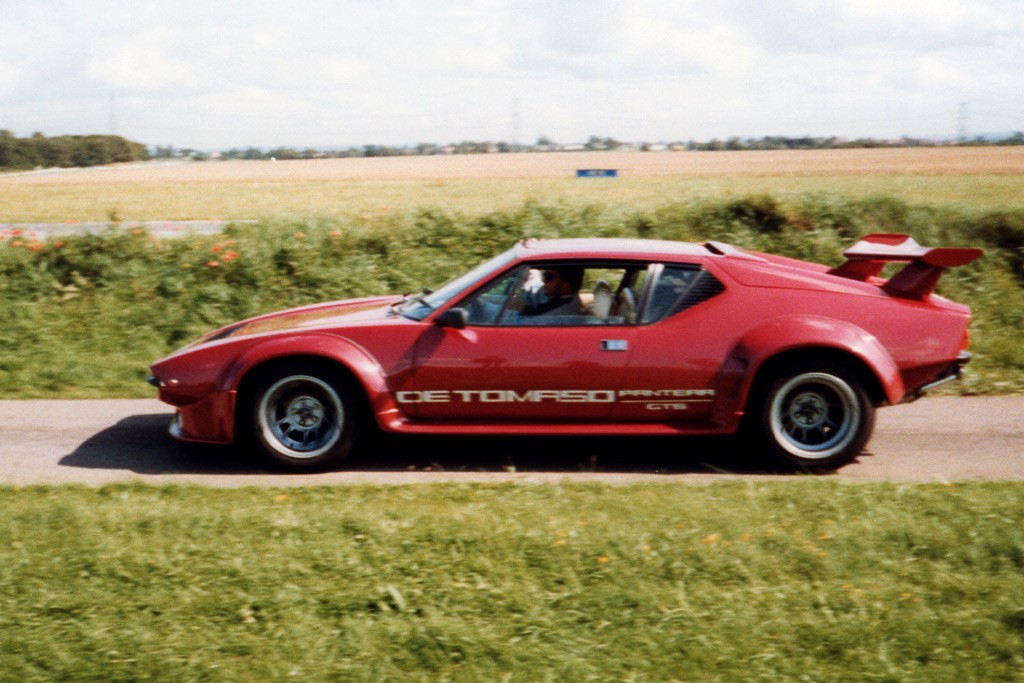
<point>96,442</point>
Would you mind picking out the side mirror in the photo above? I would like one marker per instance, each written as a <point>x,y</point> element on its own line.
<point>454,317</point>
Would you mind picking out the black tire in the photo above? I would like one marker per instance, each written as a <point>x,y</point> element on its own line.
<point>811,416</point>
<point>302,417</point>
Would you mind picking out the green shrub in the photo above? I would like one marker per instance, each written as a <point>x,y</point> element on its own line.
<point>101,307</point>
<point>760,213</point>
<point>1005,231</point>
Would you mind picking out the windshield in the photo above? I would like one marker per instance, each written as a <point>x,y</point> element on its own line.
<point>420,306</point>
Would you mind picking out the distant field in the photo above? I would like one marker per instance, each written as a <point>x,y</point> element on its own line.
<point>927,161</point>
<point>972,177</point>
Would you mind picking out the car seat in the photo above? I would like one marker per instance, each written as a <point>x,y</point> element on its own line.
<point>601,306</point>
<point>625,305</point>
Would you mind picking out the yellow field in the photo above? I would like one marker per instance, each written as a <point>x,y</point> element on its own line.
<point>981,177</point>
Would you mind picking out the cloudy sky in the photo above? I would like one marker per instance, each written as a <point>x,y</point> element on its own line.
<point>215,74</point>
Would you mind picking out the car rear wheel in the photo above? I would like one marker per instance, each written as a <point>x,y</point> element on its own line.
<point>814,417</point>
<point>302,417</point>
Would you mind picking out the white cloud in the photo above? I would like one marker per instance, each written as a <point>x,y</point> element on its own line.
<point>207,74</point>
<point>941,15</point>
<point>142,63</point>
<point>8,79</point>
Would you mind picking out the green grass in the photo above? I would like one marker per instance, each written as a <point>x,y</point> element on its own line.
<point>347,199</point>
<point>809,580</point>
<point>85,316</point>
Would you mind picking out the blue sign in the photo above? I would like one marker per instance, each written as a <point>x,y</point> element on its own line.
<point>597,173</point>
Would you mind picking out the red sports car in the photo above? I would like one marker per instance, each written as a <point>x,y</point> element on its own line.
<point>590,337</point>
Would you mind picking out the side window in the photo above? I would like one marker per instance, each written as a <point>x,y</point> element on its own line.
<point>677,288</point>
<point>560,294</point>
<point>489,306</point>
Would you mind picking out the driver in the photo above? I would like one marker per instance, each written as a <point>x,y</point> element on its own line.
<point>561,288</point>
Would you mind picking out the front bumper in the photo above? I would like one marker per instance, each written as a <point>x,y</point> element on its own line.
<point>210,420</point>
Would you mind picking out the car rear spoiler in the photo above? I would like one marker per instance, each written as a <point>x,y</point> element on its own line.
<point>925,265</point>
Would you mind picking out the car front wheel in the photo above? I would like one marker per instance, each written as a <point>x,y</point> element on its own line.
<point>811,417</point>
<point>302,418</point>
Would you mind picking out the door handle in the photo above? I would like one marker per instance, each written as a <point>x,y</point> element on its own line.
<point>614,345</point>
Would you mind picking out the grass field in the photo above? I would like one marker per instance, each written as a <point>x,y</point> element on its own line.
<point>439,215</point>
<point>811,581</point>
<point>808,580</point>
<point>85,316</point>
<point>981,178</point>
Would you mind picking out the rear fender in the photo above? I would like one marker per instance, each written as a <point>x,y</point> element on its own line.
<point>789,334</point>
<point>357,360</point>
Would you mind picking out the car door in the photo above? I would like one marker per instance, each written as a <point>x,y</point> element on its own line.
<point>677,350</point>
<point>506,366</point>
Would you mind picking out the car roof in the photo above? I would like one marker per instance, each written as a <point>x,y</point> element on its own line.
<point>610,247</point>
